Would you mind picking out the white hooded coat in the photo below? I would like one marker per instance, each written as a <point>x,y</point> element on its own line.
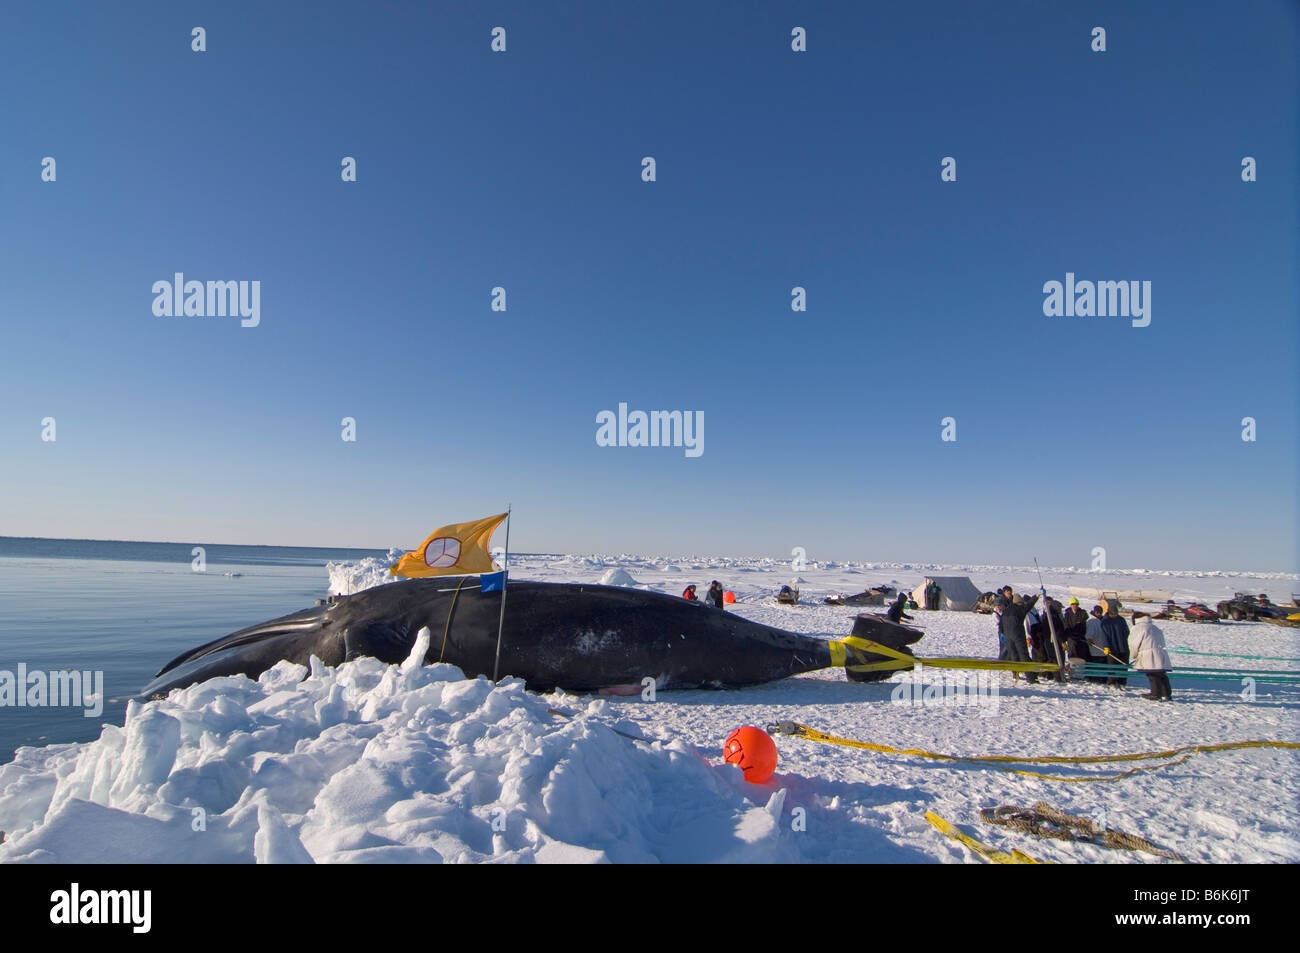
<point>1147,644</point>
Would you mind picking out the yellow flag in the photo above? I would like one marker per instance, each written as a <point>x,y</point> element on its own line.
<point>456,550</point>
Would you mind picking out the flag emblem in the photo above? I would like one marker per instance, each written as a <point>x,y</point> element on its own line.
<point>442,553</point>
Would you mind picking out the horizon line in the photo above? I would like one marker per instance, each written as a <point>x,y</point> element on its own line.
<point>898,564</point>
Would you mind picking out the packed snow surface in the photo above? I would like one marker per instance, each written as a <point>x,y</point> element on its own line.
<point>617,577</point>
<point>409,763</point>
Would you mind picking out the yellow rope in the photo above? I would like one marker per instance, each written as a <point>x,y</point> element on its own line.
<point>803,731</point>
<point>896,660</point>
<point>981,849</point>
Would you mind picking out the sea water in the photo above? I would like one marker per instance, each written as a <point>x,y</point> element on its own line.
<point>126,609</point>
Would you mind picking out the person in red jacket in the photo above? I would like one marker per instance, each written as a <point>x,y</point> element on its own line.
<point>689,594</point>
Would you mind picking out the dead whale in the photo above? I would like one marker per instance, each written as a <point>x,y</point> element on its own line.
<point>573,636</point>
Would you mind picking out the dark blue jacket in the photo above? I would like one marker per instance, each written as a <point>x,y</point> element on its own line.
<point>1013,619</point>
<point>1115,633</point>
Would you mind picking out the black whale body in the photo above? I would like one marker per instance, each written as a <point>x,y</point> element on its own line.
<point>557,635</point>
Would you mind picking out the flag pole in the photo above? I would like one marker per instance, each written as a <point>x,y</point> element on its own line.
<point>505,579</point>
<point>1051,625</point>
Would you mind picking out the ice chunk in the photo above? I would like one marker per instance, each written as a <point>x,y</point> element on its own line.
<point>274,842</point>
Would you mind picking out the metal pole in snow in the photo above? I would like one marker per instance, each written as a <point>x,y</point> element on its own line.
<point>505,580</point>
<point>1060,662</point>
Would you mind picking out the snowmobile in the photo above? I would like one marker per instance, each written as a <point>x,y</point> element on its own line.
<point>868,598</point>
<point>1199,612</point>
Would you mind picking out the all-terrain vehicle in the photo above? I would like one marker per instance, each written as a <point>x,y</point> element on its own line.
<point>1244,607</point>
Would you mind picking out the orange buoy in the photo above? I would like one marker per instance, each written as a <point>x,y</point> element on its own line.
<point>753,751</point>
<point>728,597</point>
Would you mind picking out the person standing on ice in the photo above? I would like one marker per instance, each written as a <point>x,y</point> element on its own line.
<point>1013,631</point>
<point>1114,632</point>
<point>997,621</point>
<point>1039,630</point>
<point>1050,625</point>
<point>1150,657</point>
<point>1096,640</point>
<point>1076,625</point>
<point>689,595</point>
<point>998,602</point>
<point>714,595</point>
<point>1033,632</point>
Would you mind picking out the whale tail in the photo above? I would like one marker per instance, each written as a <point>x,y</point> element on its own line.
<point>877,628</point>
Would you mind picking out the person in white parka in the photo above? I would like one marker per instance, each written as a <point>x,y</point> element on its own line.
<point>1147,644</point>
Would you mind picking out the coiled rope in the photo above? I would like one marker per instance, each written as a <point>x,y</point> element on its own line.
<point>1043,820</point>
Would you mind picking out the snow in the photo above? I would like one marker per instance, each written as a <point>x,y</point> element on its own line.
<point>347,578</point>
<point>617,577</point>
<point>370,763</point>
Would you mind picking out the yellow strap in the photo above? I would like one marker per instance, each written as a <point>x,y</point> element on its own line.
<point>888,665</point>
<point>867,644</point>
<point>900,660</point>
<point>983,850</point>
<point>972,663</point>
<point>999,760</point>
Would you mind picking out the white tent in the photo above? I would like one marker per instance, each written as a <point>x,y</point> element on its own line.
<point>958,593</point>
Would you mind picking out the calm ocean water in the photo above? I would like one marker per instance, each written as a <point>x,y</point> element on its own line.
<point>126,609</point>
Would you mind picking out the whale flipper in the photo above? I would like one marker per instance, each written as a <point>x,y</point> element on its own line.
<point>305,621</point>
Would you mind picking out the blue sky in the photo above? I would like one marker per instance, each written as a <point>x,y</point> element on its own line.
<point>774,169</point>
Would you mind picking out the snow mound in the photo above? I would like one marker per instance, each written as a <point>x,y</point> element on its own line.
<point>371,762</point>
<point>617,577</point>
<point>347,578</point>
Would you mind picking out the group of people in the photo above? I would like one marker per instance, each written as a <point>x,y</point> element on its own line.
<point>1025,635</point>
<point>713,596</point>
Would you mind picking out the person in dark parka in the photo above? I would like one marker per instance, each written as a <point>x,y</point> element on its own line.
<point>714,595</point>
<point>1053,621</point>
<point>1039,630</point>
<point>1076,627</point>
<point>895,613</point>
<point>1114,631</point>
<point>1013,632</point>
<point>997,623</point>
